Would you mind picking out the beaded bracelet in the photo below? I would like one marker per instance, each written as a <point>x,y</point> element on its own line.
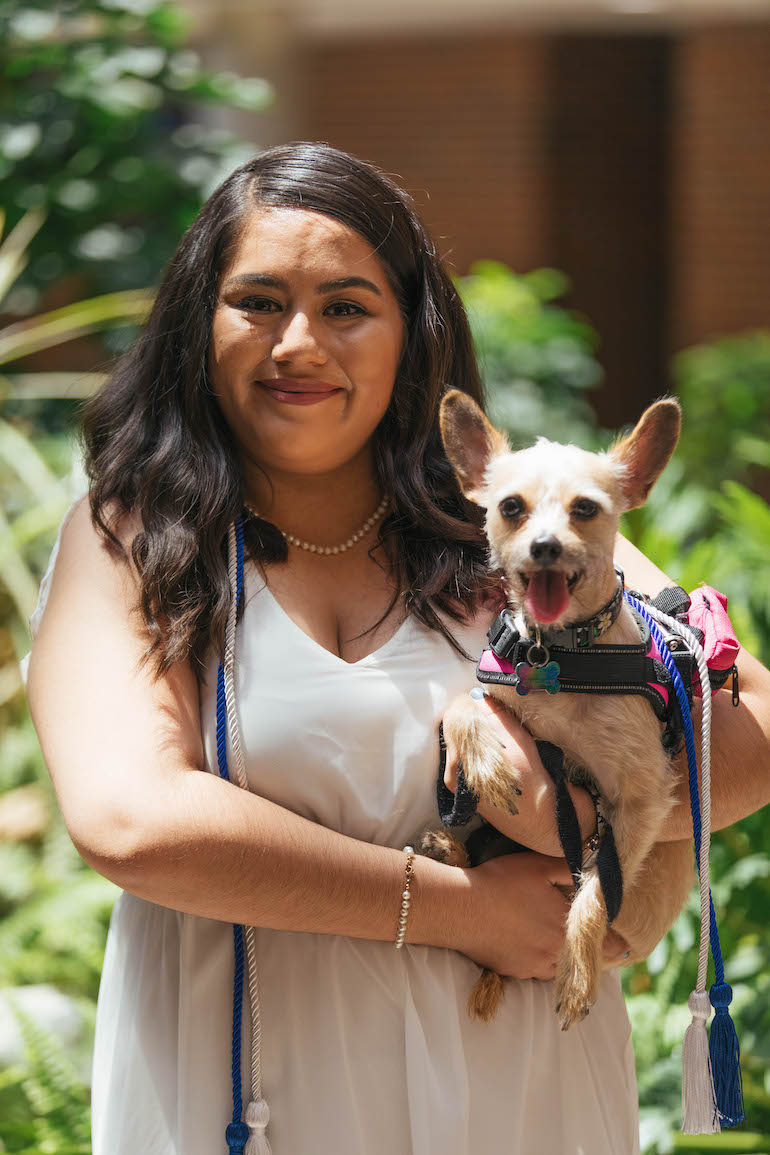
<point>405,896</point>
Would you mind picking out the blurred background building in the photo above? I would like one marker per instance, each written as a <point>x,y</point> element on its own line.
<point>623,141</point>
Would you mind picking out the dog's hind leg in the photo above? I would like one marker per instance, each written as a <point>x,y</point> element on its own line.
<point>579,966</point>
<point>444,847</point>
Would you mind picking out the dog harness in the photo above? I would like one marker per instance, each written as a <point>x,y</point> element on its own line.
<point>571,661</point>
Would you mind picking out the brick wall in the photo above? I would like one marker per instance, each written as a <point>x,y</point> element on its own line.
<point>460,122</point>
<point>720,202</point>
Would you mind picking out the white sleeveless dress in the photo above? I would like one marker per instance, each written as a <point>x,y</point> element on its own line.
<point>365,1050</point>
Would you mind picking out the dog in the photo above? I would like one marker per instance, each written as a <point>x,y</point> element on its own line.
<point>552,515</point>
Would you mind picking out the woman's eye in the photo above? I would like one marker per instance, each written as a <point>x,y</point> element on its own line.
<point>256,304</point>
<point>266,305</point>
<point>584,508</point>
<point>347,306</point>
<point>511,507</point>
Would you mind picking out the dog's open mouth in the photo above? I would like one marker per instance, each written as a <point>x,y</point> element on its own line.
<point>548,592</point>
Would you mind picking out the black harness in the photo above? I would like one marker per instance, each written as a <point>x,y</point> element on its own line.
<point>572,662</point>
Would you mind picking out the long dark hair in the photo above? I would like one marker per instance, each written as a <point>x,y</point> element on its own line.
<point>156,443</point>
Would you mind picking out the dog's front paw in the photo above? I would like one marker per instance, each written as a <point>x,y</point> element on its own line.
<point>491,776</point>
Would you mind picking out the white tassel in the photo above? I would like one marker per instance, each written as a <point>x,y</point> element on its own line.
<point>698,1099</point>
<point>257,1119</point>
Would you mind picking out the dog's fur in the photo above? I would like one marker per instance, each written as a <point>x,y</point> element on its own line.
<point>616,738</point>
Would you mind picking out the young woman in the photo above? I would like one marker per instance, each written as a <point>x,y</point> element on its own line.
<point>288,381</point>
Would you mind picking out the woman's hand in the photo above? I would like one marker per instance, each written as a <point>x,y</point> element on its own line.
<point>517,912</point>
<point>535,824</point>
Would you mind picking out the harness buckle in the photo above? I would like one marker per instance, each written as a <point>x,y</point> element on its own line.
<point>502,634</point>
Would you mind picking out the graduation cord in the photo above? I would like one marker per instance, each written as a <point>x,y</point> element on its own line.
<point>712,1093</point>
<point>242,1137</point>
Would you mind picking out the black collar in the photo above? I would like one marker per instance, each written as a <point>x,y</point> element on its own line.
<point>503,634</point>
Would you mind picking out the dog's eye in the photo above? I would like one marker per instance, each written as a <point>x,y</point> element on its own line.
<point>584,508</point>
<point>511,507</point>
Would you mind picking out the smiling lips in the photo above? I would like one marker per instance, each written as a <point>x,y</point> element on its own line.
<point>298,391</point>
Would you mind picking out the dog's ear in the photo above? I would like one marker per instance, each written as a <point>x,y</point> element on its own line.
<point>644,454</point>
<point>470,442</point>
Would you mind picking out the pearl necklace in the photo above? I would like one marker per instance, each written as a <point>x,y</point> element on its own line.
<point>327,550</point>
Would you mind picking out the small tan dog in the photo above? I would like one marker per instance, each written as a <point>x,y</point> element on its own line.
<point>551,518</point>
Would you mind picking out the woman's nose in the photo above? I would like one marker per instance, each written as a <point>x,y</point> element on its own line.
<point>298,338</point>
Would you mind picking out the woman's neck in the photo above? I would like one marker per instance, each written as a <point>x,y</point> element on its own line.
<point>321,508</point>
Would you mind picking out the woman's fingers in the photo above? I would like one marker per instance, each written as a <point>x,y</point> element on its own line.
<point>615,948</point>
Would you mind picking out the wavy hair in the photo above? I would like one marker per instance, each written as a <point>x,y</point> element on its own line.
<point>156,443</point>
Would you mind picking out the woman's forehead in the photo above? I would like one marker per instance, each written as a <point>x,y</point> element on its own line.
<point>300,240</point>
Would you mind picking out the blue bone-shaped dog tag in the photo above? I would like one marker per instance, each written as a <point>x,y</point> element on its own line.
<point>537,678</point>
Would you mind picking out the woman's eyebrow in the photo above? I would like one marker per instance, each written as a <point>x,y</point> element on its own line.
<point>247,280</point>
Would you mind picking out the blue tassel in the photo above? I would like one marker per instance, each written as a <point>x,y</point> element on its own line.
<point>236,1136</point>
<point>725,1058</point>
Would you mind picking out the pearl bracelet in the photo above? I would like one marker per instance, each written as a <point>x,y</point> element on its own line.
<point>405,896</point>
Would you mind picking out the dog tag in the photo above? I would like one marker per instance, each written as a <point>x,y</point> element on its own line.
<point>537,678</point>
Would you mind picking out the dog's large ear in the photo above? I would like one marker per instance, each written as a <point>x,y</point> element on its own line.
<point>470,442</point>
<point>644,454</point>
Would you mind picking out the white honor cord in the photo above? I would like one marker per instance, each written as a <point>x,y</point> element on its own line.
<point>705,783</point>
<point>254,1116</point>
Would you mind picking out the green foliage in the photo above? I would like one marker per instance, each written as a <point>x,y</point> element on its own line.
<point>725,391</point>
<point>537,358</point>
<point>44,1107</point>
<point>100,127</point>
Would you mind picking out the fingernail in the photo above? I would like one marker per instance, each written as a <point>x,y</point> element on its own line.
<point>477,693</point>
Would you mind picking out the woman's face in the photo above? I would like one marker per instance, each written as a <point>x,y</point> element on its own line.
<point>306,339</point>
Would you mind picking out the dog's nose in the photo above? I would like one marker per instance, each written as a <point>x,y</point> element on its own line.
<point>545,550</point>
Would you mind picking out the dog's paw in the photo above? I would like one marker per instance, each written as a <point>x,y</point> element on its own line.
<point>571,1011</point>
<point>486,996</point>
<point>575,994</point>
<point>443,847</point>
<point>492,777</point>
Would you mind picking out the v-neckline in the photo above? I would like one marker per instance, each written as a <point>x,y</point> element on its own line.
<point>367,658</point>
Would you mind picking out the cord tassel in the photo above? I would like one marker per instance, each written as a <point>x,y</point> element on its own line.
<point>725,1058</point>
<point>698,1099</point>
<point>236,1135</point>
<point>257,1118</point>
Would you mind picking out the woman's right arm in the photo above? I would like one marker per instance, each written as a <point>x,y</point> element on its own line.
<point>126,757</point>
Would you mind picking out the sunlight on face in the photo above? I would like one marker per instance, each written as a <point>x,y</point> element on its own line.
<point>306,340</point>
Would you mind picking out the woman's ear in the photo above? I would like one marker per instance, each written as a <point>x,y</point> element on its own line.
<point>645,453</point>
<point>470,442</point>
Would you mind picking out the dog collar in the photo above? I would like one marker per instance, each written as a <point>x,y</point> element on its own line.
<point>504,637</point>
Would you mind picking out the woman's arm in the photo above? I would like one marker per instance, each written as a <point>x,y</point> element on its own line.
<point>740,738</point>
<point>126,757</point>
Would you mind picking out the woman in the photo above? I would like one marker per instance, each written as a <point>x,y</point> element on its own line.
<point>290,375</point>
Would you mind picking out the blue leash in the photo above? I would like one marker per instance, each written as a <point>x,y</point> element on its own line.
<point>723,1041</point>
<point>237,1132</point>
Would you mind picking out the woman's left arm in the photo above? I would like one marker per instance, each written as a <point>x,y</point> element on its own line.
<point>740,738</point>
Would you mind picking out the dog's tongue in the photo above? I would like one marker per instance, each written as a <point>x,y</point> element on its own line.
<point>547,595</point>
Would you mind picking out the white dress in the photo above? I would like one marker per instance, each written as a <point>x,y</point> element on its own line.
<point>365,1050</point>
